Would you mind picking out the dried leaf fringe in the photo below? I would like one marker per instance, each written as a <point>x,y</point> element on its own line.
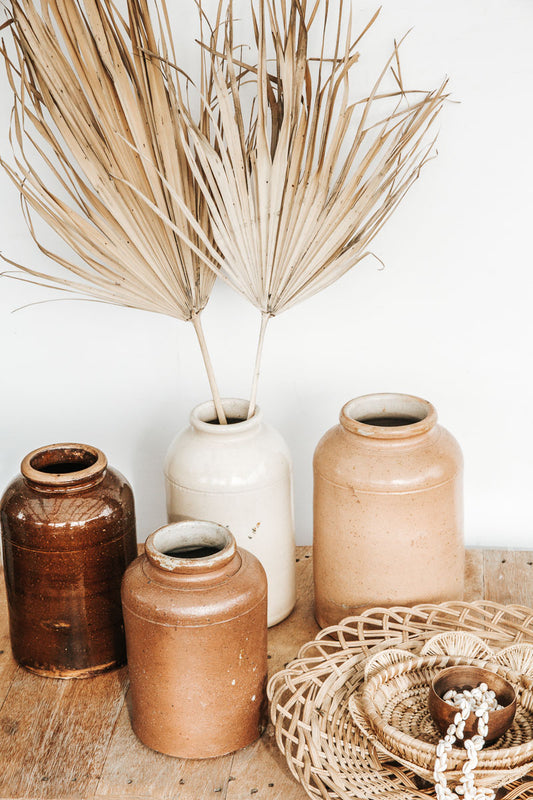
<point>94,112</point>
<point>280,199</point>
<point>297,191</point>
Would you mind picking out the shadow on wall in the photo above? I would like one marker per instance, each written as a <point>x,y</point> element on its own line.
<point>147,470</point>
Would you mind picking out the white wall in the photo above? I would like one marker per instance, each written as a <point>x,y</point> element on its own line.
<point>448,319</point>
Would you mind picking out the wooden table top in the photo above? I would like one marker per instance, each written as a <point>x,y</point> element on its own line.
<point>73,739</point>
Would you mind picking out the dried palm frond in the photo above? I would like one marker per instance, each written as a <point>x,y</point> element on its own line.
<point>297,193</point>
<point>94,108</point>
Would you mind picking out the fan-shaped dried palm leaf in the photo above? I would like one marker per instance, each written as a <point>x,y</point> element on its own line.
<point>94,109</point>
<point>297,193</point>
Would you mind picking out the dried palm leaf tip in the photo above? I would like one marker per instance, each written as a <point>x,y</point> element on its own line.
<point>93,112</point>
<point>297,192</point>
<point>280,196</point>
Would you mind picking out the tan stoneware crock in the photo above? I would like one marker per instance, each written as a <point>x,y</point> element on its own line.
<point>195,611</point>
<point>68,534</point>
<point>388,509</point>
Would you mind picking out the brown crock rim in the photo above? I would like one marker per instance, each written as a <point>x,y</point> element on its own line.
<point>82,476</point>
<point>354,425</point>
<point>191,566</point>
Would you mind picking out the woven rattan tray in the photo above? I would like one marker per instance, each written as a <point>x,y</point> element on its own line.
<point>392,710</point>
<point>325,750</point>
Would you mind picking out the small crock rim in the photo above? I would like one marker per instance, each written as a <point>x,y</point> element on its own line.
<point>354,425</point>
<point>202,413</point>
<point>204,564</point>
<point>38,477</point>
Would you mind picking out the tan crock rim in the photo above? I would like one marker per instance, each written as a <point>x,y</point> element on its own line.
<point>388,404</point>
<point>187,532</point>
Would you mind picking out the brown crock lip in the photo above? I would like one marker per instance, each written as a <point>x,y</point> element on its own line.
<point>191,566</point>
<point>202,415</point>
<point>88,474</point>
<point>355,425</point>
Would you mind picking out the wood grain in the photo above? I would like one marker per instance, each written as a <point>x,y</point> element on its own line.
<point>508,576</point>
<point>70,740</point>
<point>7,664</point>
<point>54,734</point>
<point>474,575</point>
<point>134,771</point>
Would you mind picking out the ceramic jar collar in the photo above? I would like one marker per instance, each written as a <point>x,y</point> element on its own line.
<point>204,419</point>
<point>415,416</point>
<point>183,539</point>
<point>64,467</point>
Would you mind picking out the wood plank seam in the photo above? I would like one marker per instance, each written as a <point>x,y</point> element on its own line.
<point>226,784</point>
<point>9,688</point>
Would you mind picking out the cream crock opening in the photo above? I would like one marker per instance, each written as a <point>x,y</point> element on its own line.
<point>204,417</point>
<point>388,415</point>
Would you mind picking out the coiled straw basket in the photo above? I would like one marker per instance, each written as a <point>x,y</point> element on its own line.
<point>331,754</point>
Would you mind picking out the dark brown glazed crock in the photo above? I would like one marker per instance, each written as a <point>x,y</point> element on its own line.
<point>68,534</point>
<point>195,611</point>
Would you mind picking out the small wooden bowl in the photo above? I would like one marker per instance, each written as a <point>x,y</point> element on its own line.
<point>468,677</point>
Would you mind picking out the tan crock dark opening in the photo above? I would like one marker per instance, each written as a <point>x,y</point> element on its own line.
<point>191,546</point>
<point>388,416</point>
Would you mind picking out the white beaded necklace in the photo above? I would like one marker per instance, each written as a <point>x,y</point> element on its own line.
<point>481,701</point>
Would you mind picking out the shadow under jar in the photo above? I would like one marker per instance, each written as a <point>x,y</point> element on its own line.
<point>388,509</point>
<point>68,534</point>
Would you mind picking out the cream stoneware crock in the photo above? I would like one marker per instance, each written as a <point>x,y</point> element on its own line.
<point>240,476</point>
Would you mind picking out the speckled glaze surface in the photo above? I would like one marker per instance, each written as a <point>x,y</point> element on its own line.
<point>388,509</point>
<point>68,534</point>
<point>239,475</point>
<point>195,610</point>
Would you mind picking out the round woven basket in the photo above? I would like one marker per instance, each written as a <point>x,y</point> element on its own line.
<point>392,710</point>
<point>325,749</point>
